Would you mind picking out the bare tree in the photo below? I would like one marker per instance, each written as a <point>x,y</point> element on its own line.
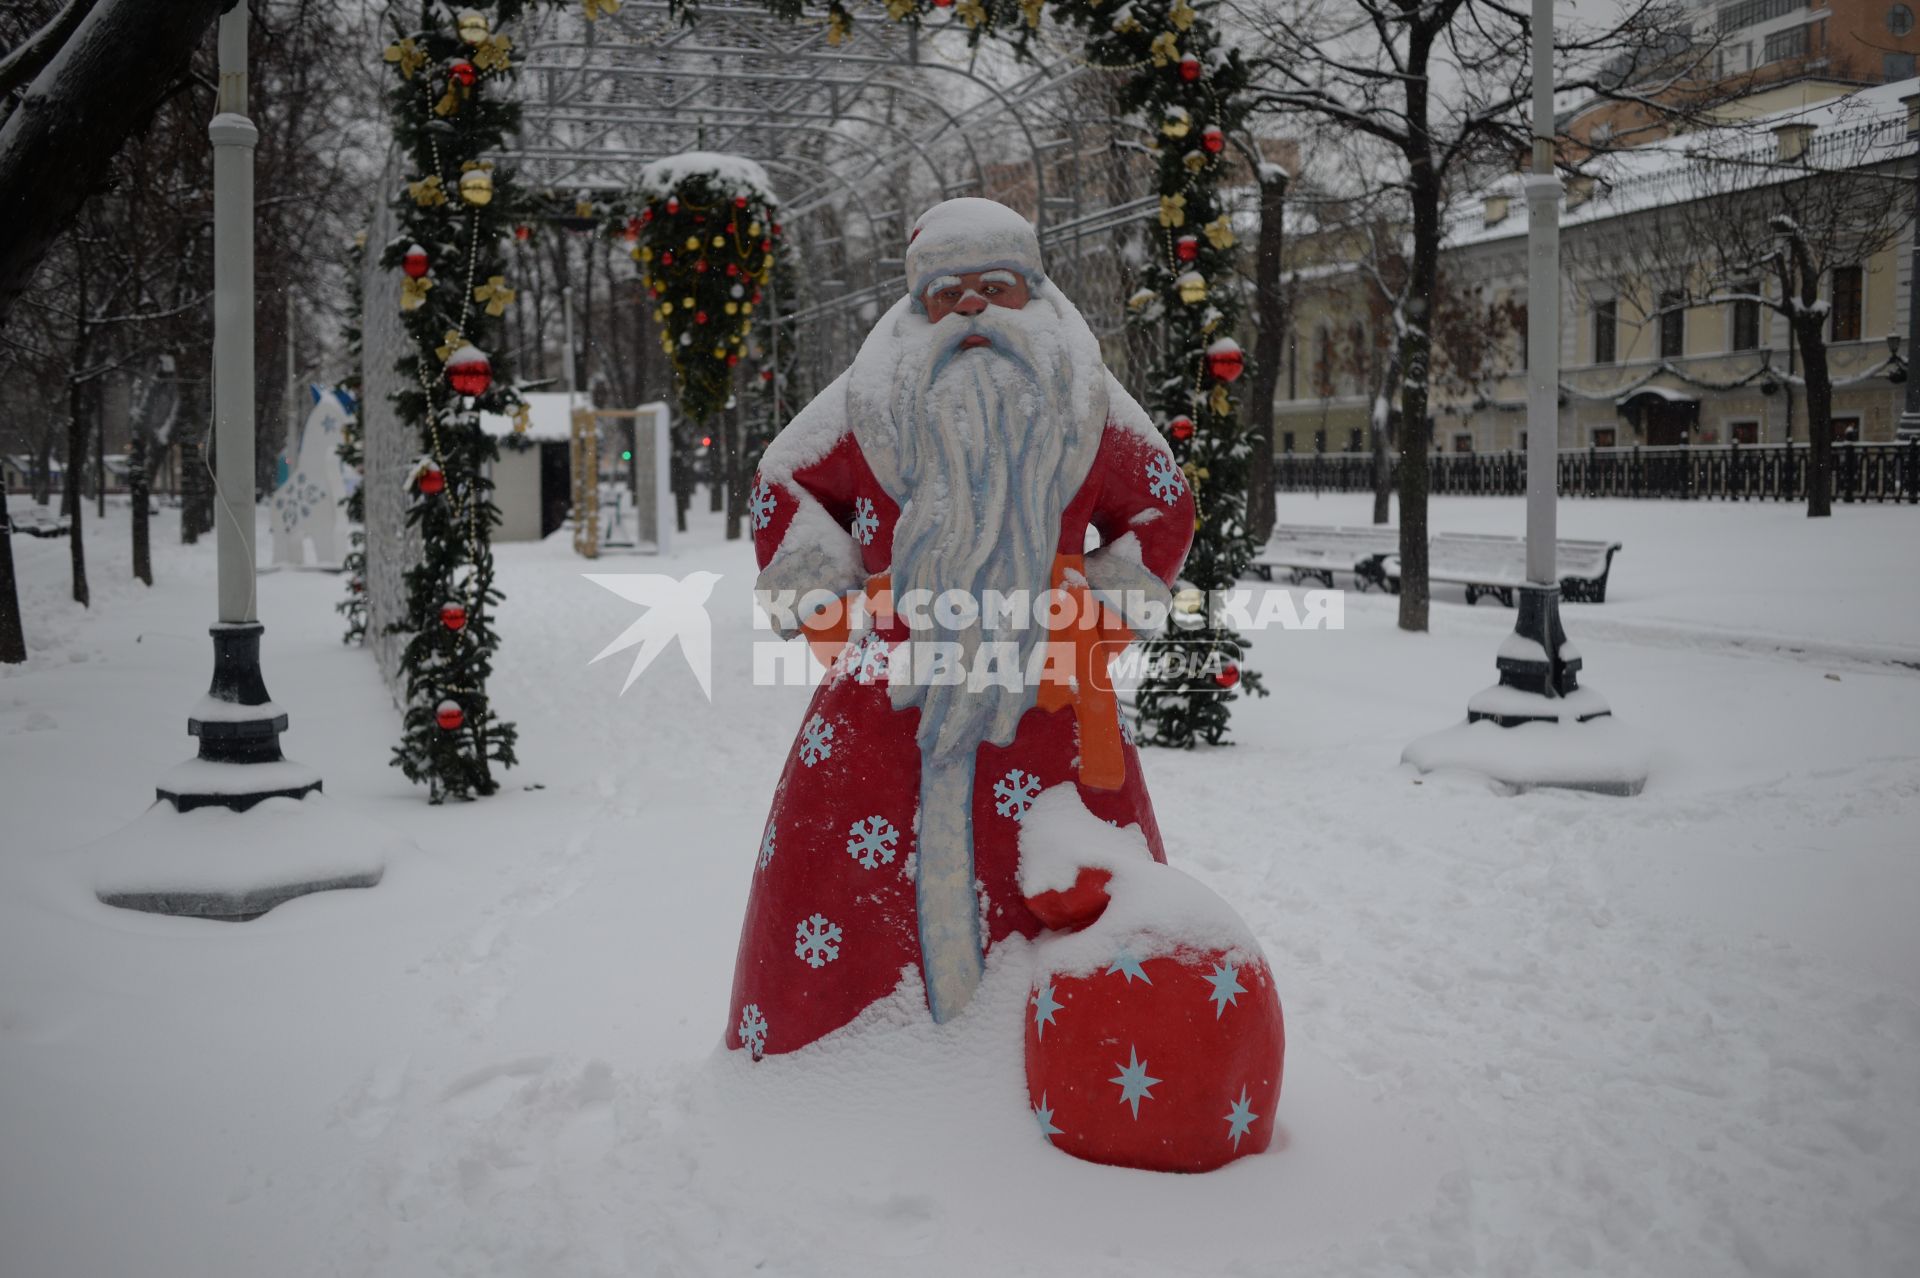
<point>1441,86</point>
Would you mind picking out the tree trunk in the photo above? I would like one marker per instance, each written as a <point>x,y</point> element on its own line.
<point>1270,319</point>
<point>13,642</point>
<point>137,489</point>
<point>1382,441</point>
<point>1813,356</point>
<point>124,57</point>
<point>1416,348</point>
<point>76,466</point>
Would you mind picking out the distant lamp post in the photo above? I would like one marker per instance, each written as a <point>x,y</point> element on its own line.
<point>1909,427</point>
<point>1539,693</point>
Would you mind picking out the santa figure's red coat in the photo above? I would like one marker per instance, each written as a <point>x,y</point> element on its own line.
<point>831,924</point>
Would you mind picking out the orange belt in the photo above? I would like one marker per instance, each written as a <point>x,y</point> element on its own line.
<point>1068,679</point>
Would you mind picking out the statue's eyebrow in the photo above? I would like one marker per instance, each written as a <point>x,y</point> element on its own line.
<point>999,277</point>
<point>941,282</point>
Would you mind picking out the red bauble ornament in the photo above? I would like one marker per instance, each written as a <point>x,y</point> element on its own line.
<point>1225,360</point>
<point>1187,248</point>
<point>523,233</point>
<point>666,258</point>
<point>699,317</point>
<point>1228,677</point>
<point>415,262</point>
<point>732,228</point>
<point>432,480</point>
<point>646,214</point>
<point>449,715</point>
<point>739,202</point>
<point>1181,427</point>
<point>632,232</point>
<point>756,297</point>
<point>1213,140</point>
<point>1189,67</point>
<point>733,268</point>
<point>673,205</point>
<point>701,266</point>
<point>766,374</point>
<point>766,246</point>
<point>468,371</point>
<point>943,4</point>
<point>732,359</point>
<point>453,616</point>
<point>463,73</point>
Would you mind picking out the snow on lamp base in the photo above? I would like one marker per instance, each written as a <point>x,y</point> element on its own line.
<point>1538,727</point>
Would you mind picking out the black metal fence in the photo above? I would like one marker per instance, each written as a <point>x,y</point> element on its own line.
<point>1730,472</point>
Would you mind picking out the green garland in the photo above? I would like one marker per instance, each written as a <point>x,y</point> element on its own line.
<point>455,210</point>
<point>352,453</point>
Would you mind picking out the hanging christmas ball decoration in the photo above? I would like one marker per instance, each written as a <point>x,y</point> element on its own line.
<point>632,231</point>
<point>1177,122</point>
<point>739,201</point>
<point>449,715</point>
<point>943,4</point>
<point>430,479</point>
<point>1181,427</point>
<point>1187,248</point>
<point>1228,676</point>
<point>1192,287</point>
<point>699,317</point>
<point>523,233</point>
<point>1189,67</point>
<point>414,262</point>
<point>673,205</point>
<point>666,257</point>
<point>472,26</point>
<point>453,615</point>
<point>766,374</point>
<point>463,74</point>
<point>1225,360</point>
<point>476,187</point>
<point>469,372</point>
<point>1213,140</point>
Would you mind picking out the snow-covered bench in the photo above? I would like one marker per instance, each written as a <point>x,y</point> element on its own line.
<point>1493,565</point>
<point>1308,552</point>
<point>36,521</point>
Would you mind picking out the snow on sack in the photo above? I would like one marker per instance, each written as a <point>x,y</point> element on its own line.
<point>1154,1032</point>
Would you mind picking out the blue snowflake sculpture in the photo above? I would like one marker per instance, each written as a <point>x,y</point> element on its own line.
<point>766,847</point>
<point>873,841</point>
<point>753,1030</point>
<point>816,940</point>
<point>1164,479</point>
<point>816,741</point>
<point>866,522</point>
<point>762,503</point>
<point>1014,793</point>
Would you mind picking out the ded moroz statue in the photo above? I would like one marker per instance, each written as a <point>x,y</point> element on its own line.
<point>944,488</point>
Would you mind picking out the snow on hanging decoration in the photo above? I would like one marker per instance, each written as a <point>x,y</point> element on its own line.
<point>705,246</point>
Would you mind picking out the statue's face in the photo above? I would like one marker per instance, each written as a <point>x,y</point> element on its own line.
<point>971,294</point>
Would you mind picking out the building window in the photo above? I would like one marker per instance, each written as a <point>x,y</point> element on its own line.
<point>1673,324</point>
<point>1781,45</point>
<point>1523,441</point>
<point>1753,12</point>
<point>1744,432</point>
<point>1463,442</point>
<point>1293,364</point>
<point>1746,318</point>
<point>1319,441</point>
<point>1520,323</point>
<point>1286,441</point>
<point>1846,304</point>
<point>1604,329</point>
<point>1896,66</point>
<point>1603,437</point>
<point>1353,440</point>
<point>1899,19</point>
<point>1846,430</point>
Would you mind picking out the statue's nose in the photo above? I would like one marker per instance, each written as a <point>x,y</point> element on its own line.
<point>971,304</point>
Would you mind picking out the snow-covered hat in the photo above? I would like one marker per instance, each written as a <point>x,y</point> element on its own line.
<point>967,235</point>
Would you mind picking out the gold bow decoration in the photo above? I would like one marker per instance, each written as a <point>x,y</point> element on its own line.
<point>1164,49</point>
<point>898,9</point>
<point>1182,14</point>
<point>408,56</point>
<point>428,191</point>
<point>1220,232</point>
<point>838,27</point>
<point>1195,161</point>
<point>522,420</point>
<point>450,100</point>
<point>450,344</point>
<point>595,9</point>
<point>971,12</point>
<point>1173,210</point>
<point>493,54</point>
<point>413,293</point>
<point>495,294</point>
<point>1221,403</point>
<point>1030,10</point>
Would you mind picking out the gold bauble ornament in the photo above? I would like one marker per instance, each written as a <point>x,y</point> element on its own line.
<point>693,242</point>
<point>472,26</point>
<point>1193,288</point>
<point>476,187</point>
<point>719,241</point>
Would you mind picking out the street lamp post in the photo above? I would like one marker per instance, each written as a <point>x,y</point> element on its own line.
<point>239,761</point>
<point>1539,690</point>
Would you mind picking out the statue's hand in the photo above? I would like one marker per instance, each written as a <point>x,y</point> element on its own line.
<point>1077,906</point>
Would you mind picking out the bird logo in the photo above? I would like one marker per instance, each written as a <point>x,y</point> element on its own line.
<point>676,608</point>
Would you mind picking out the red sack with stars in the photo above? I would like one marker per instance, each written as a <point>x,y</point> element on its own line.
<point>1154,1036</point>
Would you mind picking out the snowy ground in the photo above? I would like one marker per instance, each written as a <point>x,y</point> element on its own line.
<point>1544,1035</point>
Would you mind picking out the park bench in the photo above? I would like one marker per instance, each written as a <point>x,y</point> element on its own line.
<point>1308,553</point>
<point>1485,564</point>
<point>1495,565</point>
<point>37,521</point>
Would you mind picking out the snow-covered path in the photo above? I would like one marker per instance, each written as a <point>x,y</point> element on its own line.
<point>1552,1034</point>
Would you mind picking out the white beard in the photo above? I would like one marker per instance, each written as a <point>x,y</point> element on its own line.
<point>988,445</point>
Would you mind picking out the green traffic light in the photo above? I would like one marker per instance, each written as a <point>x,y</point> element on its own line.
<point>626,454</point>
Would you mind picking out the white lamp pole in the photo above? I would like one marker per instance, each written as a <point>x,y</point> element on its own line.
<point>239,761</point>
<point>1543,313</point>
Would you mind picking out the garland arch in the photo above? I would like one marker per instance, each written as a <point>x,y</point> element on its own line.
<point>457,214</point>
